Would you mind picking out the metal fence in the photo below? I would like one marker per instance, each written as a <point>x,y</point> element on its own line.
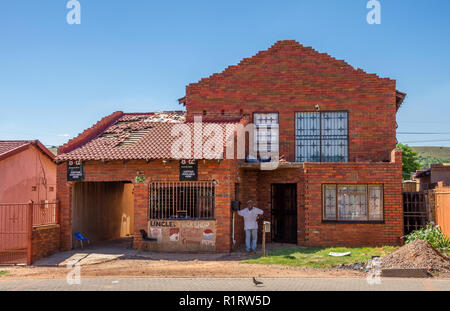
<point>182,200</point>
<point>443,210</point>
<point>45,213</point>
<point>16,228</point>
<point>416,210</point>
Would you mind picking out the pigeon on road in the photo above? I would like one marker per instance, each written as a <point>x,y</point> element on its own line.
<point>256,282</point>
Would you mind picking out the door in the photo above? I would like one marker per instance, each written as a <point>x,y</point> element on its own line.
<point>284,213</point>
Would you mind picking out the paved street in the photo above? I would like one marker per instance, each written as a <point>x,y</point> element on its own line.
<point>223,284</point>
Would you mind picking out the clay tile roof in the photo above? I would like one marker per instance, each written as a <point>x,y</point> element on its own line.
<point>141,136</point>
<point>11,147</point>
<point>8,145</point>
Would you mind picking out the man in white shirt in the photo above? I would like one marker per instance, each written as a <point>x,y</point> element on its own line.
<point>250,214</point>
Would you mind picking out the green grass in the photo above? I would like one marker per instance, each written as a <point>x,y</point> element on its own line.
<point>318,257</point>
<point>3,272</point>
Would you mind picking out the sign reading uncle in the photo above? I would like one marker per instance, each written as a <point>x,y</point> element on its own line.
<point>183,235</point>
<point>188,170</point>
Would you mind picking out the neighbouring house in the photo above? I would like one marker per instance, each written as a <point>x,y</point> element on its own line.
<point>27,172</point>
<point>29,227</point>
<point>429,178</point>
<point>330,129</point>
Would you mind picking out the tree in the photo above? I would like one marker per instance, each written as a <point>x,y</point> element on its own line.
<point>410,160</point>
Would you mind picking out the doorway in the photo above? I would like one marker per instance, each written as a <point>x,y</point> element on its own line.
<point>103,211</point>
<point>284,213</point>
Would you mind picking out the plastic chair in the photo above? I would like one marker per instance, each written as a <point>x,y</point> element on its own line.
<point>81,238</point>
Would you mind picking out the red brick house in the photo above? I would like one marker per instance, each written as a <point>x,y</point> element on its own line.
<point>332,127</point>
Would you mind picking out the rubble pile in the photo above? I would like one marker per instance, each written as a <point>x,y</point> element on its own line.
<point>417,255</point>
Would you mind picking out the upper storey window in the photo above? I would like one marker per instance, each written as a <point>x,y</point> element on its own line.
<point>266,132</point>
<point>321,136</point>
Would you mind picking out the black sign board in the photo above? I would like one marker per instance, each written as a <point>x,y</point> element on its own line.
<point>188,170</point>
<point>75,171</point>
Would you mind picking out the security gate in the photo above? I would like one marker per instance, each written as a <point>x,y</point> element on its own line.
<point>416,210</point>
<point>15,234</point>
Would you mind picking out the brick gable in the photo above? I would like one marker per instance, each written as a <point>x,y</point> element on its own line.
<point>288,78</point>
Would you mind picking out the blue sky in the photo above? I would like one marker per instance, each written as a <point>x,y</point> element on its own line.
<point>57,79</point>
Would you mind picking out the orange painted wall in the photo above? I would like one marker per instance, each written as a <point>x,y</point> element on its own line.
<point>23,171</point>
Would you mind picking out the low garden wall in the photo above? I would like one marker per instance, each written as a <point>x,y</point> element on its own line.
<point>45,241</point>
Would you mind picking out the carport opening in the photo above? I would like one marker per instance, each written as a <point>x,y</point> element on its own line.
<point>103,211</point>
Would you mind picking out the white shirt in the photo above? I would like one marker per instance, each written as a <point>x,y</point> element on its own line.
<point>250,217</point>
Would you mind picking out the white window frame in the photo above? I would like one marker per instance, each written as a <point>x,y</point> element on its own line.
<point>265,127</point>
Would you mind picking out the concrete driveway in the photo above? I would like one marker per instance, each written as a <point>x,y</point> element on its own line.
<point>101,252</point>
<point>92,254</point>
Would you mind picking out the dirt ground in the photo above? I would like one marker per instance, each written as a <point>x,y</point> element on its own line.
<point>132,264</point>
<point>166,268</point>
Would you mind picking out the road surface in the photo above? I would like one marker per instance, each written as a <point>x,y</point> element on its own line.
<point>222,284</point>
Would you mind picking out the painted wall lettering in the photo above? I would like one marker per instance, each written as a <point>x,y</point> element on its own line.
<point>182,235</point>
<point>158,223</point>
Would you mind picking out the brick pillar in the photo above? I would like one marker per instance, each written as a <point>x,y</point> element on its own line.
<point>64,196</point>
<point>140,211</point>
<point>223,215</point>
<point>396,156</point>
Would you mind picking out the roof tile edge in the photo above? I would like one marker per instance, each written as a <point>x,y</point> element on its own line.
<point>26,145</point>
<point>90,133</point>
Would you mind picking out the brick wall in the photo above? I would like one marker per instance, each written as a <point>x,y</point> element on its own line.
<point>289,78</point>
<point>351,234</point>
<point>311,231</point>
<point>224,172</point>
<point>45,241</point>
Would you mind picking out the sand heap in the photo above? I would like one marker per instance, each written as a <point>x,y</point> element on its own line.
<point>417,255</point>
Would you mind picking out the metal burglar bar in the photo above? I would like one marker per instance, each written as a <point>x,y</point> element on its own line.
<point>415,211</point>
<point>182,200</point>
<point>266,134</point>
<point>321,136</point>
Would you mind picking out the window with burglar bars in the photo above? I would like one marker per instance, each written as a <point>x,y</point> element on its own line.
<point>182,200</point>
<point>362,203</point>
<point>321,136</point>
<point>266,132</point>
